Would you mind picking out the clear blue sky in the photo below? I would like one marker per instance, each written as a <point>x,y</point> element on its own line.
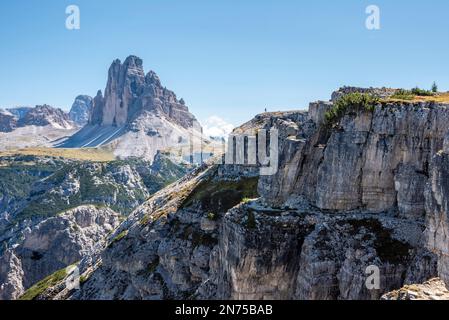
<point>224,57</point>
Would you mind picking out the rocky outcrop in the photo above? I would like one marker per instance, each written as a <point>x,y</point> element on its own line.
<point>383,93</point>
<point>81,110</point>
<point>360,165</point>
<point>293,255</point>
<point>433,289</point>
<point>45,115</point>
<point>129,92</point>
<point>41,233</point>
<point>19,112</point>
<point>136,116</point>
<point>51,245</point>
<point>186,243</point>
<point>7,121</point>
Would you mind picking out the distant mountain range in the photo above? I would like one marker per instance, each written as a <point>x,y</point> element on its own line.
<point>136,117</point>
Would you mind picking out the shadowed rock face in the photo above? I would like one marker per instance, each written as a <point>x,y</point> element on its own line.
<point>129,92</point>
<point>437,207</point>
<point>372,162</point>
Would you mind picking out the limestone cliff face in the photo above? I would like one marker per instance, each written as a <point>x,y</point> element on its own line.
<point>373,161</point>
<point>368,190</point>
<point>437,207</point>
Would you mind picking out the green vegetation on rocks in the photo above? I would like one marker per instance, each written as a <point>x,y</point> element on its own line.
<point>119,237</point>
<point>218,196</point>
<point>37,187</point>
<point>351,103</point>
<point>403,94</point>
<point>44,284</point>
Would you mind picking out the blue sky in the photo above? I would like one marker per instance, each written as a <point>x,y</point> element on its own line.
<point>226,58</point>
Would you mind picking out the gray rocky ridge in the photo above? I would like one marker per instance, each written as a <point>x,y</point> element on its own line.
<point>39,116</point>
<point>45,115</point>
<point>41,126</point>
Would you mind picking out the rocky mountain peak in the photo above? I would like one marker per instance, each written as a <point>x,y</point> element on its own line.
<point>153,79</point>
<point>129,92</point>
<point>81,109</point>
<point>44,115</point>
<point>96,116</point>
<point>133,61</point>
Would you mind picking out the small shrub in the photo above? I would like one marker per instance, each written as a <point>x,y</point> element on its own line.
<point>421,92</point>
<point>352,102</point>
<point>402,94</point>
<point>434,87</point>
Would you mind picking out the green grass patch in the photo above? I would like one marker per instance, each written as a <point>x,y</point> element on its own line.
<point>218,196</point>
<point>412,95</point>
<point>118,237</point>
<point>402,94</point>
<point>44,284</point>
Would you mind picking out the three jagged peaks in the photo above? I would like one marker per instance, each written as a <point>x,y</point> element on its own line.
<point>136,116</point>
<point>129,92</point>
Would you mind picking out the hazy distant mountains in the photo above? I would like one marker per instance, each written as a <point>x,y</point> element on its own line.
<point>45,115</point>
<point>40,116</point>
